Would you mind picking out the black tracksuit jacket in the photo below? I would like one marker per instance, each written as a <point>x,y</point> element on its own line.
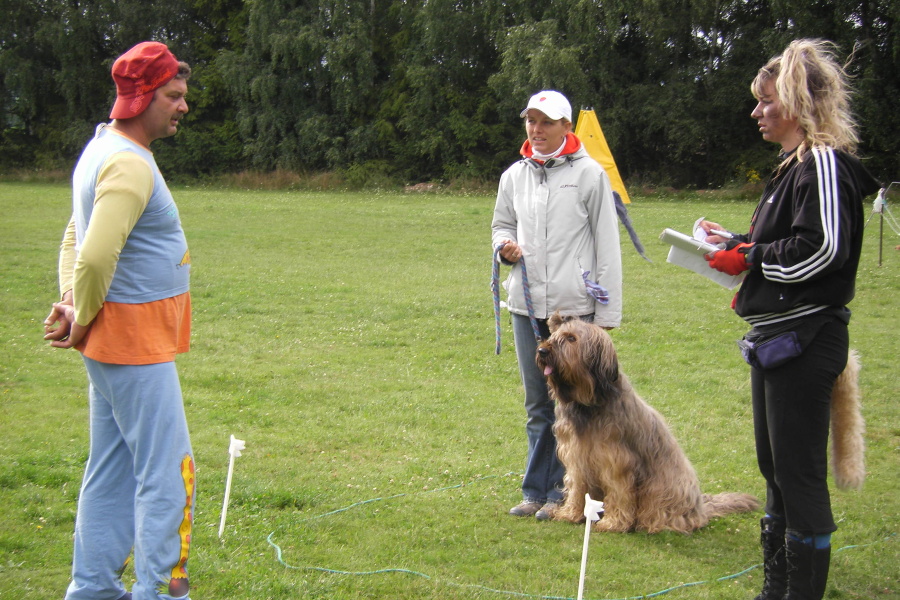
<point>807,232</point>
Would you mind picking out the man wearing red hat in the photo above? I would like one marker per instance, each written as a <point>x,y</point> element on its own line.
<point>124,274</point>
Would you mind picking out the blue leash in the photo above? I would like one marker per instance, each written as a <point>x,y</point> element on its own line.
<point>495,288</point>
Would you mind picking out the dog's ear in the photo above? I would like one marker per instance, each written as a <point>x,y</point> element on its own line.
<point>606,366</point>
<point>556,320</point>
<point>611,367</point>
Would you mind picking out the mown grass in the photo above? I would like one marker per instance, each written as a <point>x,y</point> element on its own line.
<point>348,338</point>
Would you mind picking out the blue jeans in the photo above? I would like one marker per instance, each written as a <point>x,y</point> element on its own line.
<point>543,481</point>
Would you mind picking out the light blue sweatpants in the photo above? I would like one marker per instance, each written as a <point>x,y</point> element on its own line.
<point>138,487</point>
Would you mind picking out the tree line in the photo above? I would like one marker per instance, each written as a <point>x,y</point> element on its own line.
<point>430,90</point>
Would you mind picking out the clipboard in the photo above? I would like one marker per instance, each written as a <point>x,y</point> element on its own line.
<point>688,252</point>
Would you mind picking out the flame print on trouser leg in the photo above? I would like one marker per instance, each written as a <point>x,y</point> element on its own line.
<point>178,584</point>
<point>124,566</point>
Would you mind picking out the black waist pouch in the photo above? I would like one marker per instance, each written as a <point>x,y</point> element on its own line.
<point>772,352</point>
<point>768,348</point>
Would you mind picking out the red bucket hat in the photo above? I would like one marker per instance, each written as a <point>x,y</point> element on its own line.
<point>137,73</point>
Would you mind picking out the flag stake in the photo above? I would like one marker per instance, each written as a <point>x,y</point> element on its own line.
<point>234,449</point>
<point>593,509</point>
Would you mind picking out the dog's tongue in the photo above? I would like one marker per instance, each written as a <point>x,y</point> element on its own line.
<point>548,371</point>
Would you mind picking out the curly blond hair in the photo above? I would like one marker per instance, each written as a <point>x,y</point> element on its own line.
<point>814,89</point>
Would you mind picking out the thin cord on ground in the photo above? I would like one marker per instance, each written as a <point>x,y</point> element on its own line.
<point>281,560</point>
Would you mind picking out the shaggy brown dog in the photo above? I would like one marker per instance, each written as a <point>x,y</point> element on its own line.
<point>615,446</point>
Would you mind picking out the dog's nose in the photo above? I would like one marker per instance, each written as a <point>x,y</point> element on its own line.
<point>542,351</point>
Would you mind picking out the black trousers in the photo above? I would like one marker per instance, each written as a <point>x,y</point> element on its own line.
<point>791,414</point>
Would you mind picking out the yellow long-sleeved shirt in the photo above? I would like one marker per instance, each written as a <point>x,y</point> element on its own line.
<point>124,185</point>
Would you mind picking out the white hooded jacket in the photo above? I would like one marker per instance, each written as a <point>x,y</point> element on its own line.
<point>563,216</point>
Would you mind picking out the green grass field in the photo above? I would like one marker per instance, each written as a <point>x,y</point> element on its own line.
<point>349,339</point>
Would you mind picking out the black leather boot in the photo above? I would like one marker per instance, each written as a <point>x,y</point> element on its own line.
<point>771,538</point>
<point>807,569</point>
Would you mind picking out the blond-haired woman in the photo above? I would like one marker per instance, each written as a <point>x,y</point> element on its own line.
<point>801,256</point>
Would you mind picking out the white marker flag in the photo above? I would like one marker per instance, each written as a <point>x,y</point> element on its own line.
<point>234,449</point>
<point>593,509</point>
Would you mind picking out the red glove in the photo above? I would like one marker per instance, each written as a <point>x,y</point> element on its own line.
<point>732,260</point>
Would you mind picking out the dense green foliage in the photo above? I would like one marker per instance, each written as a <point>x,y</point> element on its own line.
<point>424,90</point>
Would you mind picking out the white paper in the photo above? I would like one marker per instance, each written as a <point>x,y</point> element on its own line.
<point>236,446</point>
<point>689,252</point>
<point>592,508</point>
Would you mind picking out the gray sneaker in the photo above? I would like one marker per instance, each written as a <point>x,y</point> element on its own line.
<point>525,508</point>
<point>547,511</point>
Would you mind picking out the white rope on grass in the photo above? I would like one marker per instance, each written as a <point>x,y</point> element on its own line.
<point>280,558</point>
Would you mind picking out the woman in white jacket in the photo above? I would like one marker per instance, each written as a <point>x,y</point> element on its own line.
<point>555,209</point>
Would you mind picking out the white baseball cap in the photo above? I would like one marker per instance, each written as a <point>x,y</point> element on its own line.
<point>551,103</point>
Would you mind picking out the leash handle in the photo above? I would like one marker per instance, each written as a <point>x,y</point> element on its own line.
<point>495,289</point>
<point>526,289</point>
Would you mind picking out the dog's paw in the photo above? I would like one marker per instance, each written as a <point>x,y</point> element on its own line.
<point>569,514</point>
<point>612,525</point>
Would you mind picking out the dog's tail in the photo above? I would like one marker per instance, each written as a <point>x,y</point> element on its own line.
<point>726,503</point>
<point>848,447</point>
